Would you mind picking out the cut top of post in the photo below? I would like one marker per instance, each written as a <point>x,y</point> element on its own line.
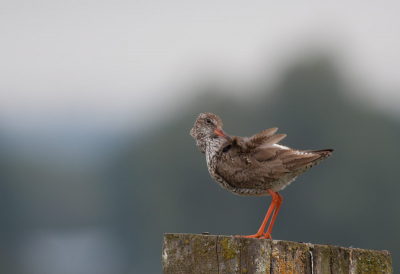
<point>194,253</point>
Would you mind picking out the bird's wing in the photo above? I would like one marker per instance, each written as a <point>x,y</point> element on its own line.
<point>244,171</point>
<point>263,165</point>
<point>263,139</point>
<point>262,146</point>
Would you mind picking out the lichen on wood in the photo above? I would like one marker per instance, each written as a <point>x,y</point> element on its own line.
<point>228,250</point>
<point>192,253</point>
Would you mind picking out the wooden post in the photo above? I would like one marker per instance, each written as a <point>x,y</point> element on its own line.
<point>195,253</point>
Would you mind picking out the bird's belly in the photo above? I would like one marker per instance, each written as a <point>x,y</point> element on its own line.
<point>281,184</point>
<point>252,188</point>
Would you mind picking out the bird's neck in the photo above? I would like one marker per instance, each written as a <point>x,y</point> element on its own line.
<point>211,146</point>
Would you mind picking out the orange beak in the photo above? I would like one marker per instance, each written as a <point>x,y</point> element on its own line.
<point>221,133</point>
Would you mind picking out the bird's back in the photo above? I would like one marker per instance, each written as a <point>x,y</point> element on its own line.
<point>252,165</point>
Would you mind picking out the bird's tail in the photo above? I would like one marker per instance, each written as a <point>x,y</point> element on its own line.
<point>322,152</point>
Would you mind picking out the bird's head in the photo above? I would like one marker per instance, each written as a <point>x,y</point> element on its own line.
<point>208,125</point>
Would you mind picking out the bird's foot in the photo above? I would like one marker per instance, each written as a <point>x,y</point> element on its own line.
<point>258,235</point>
<point>266,236</point>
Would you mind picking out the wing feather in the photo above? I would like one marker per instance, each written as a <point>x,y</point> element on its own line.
<point>272,141</point>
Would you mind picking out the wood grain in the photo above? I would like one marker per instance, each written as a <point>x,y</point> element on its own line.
<point>196,253</point>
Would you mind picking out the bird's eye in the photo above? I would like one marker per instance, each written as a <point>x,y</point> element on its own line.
<point>208,121</point>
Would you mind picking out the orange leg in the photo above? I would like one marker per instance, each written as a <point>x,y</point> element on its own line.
<point>276,200</point>
<point>271,224</point>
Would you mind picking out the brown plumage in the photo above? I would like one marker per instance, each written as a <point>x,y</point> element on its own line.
<point>255,166</point>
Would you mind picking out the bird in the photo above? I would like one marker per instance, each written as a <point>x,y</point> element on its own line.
<point>254,166</point>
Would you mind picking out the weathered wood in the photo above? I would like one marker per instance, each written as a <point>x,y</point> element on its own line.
<point>186,253</point>
<point>255,256</point>
<point>290,257</point>
<point>228,251</point>
<point>193,253</point>
<point>340,262</point>
<point>321,259</point>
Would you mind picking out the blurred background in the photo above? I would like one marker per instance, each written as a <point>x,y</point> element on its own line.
<point>98,98</point>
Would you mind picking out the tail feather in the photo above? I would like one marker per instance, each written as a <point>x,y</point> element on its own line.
<point>322,152</point>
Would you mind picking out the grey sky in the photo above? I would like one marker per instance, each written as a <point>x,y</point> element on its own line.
<point>114,63</point>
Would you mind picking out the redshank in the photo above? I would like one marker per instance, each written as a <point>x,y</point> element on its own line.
<point>255,166</point>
